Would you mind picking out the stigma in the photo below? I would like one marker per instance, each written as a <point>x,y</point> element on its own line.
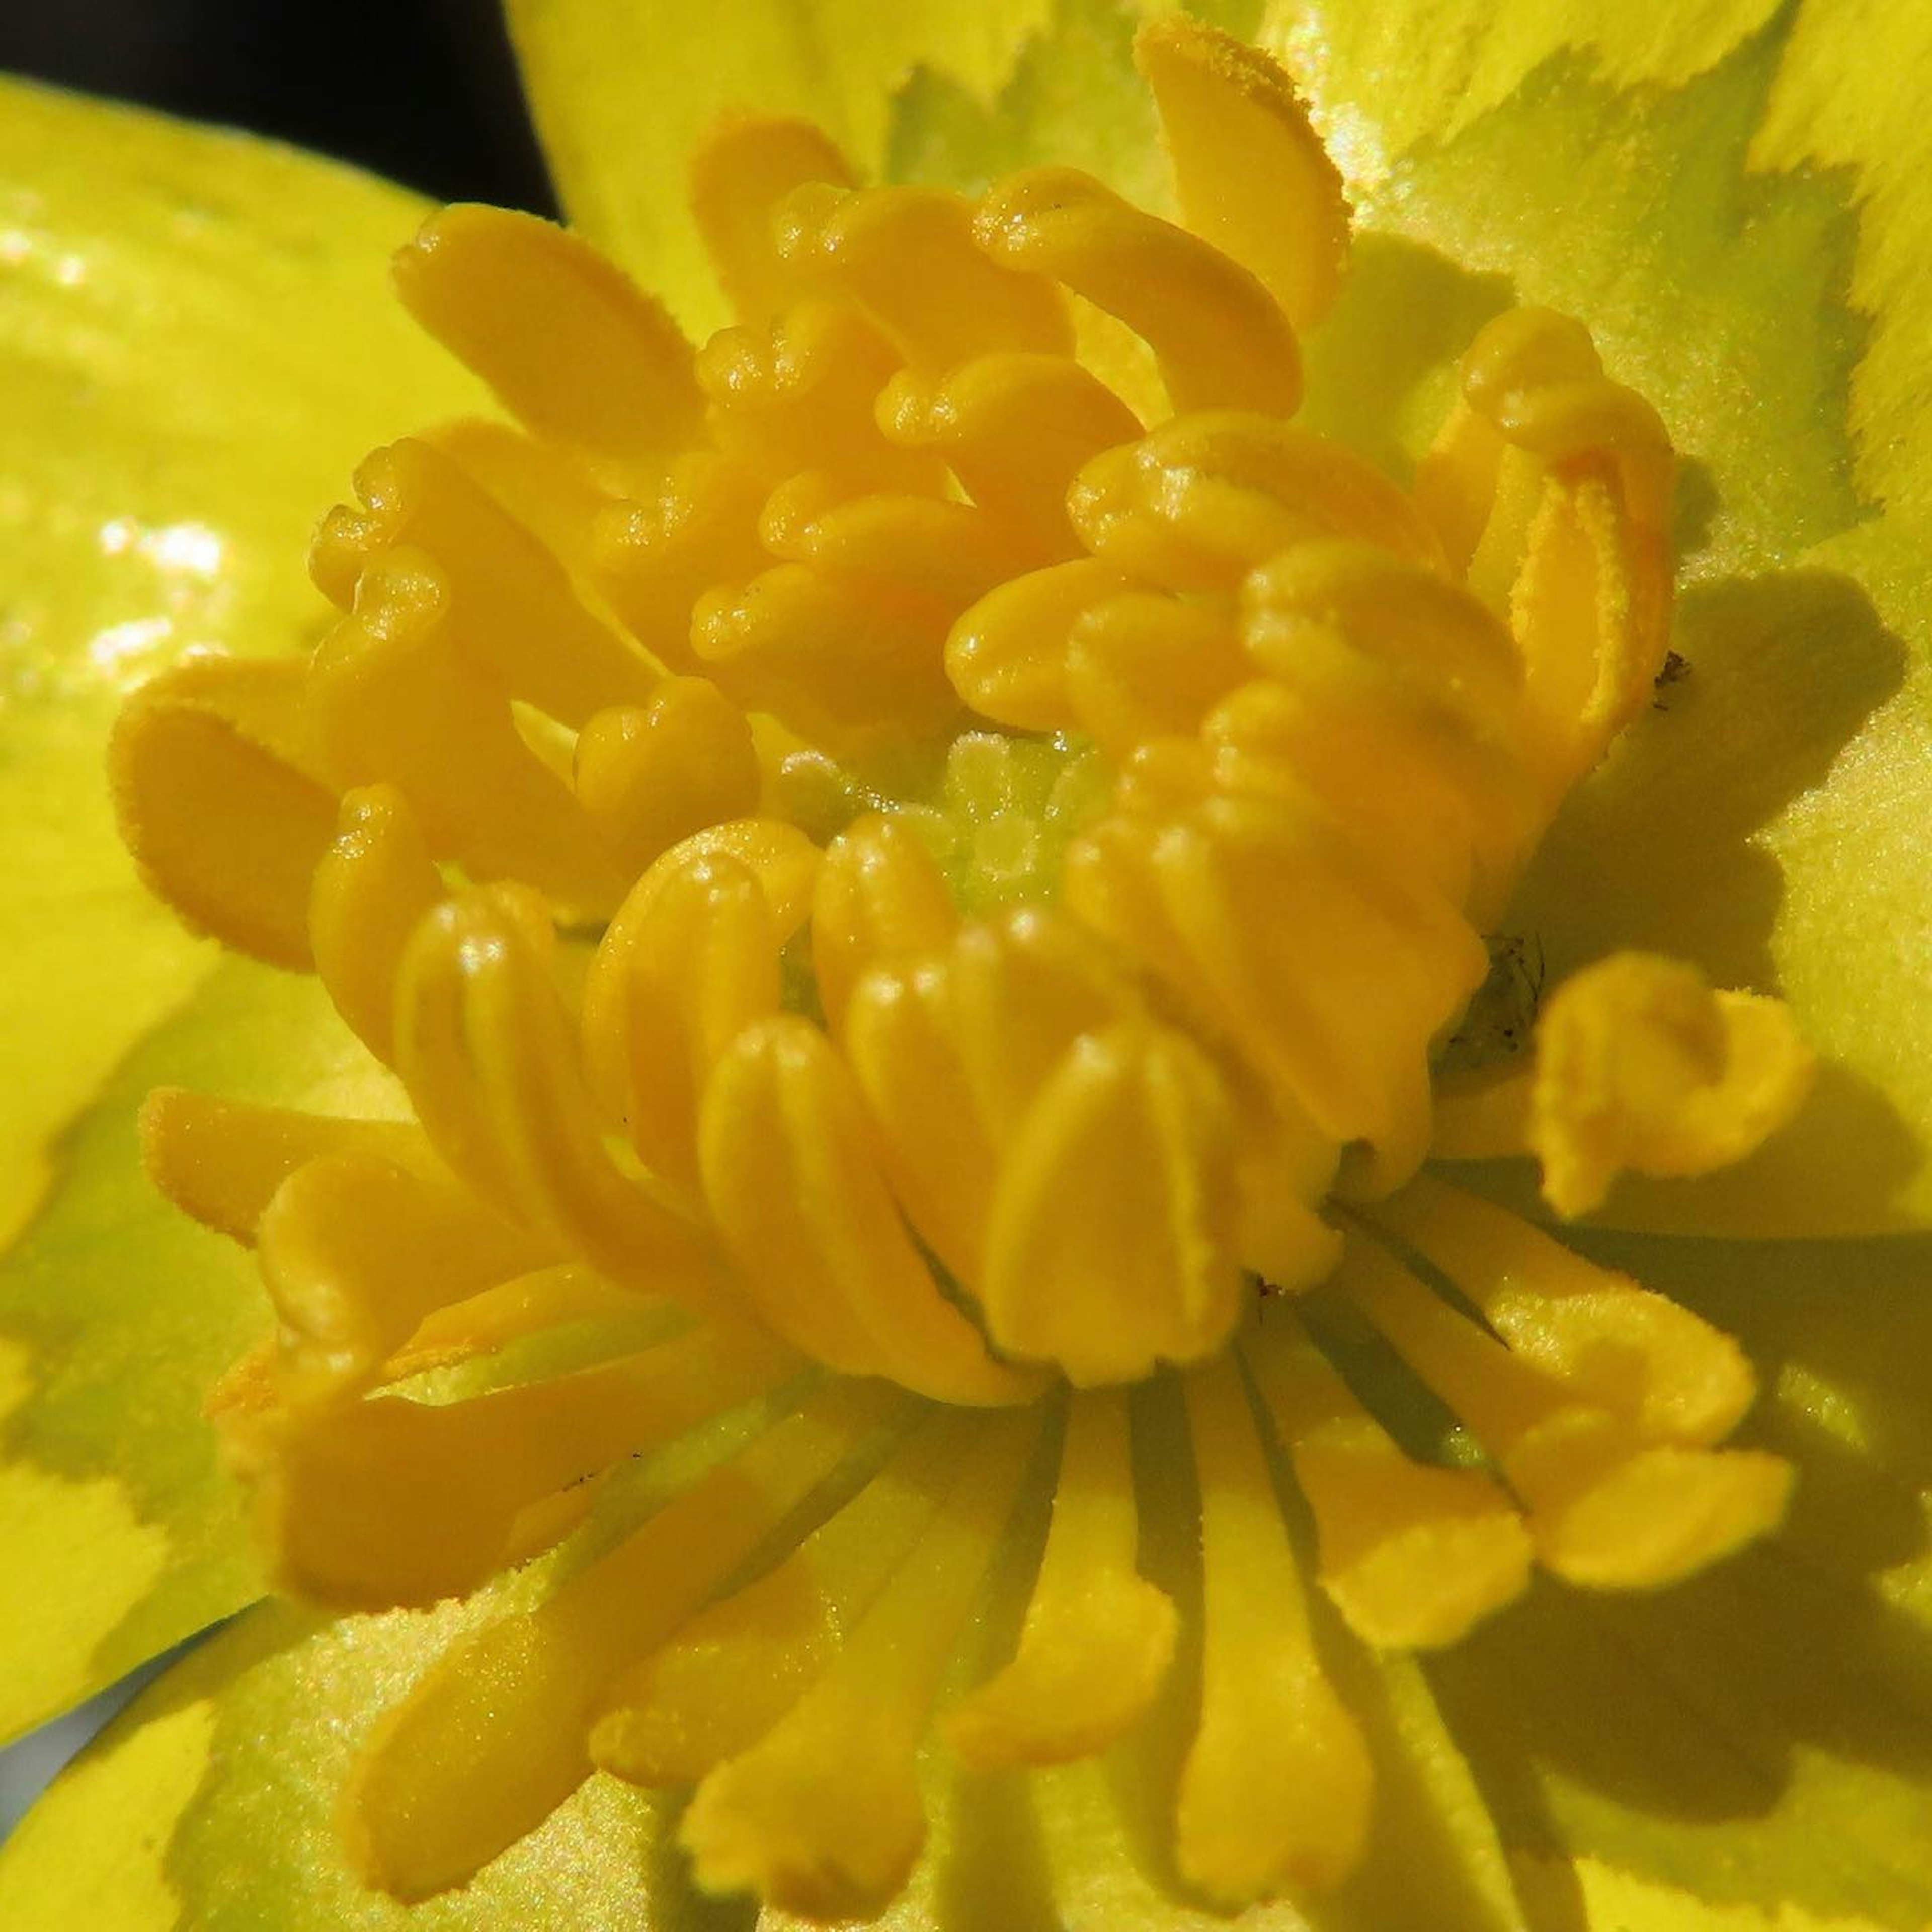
<point>926,872</point>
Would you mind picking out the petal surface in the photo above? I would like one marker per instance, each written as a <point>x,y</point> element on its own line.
<point>211,1802</point>
<point>196,342</point>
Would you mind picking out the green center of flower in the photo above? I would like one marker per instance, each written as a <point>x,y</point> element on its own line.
<point>907,863</point>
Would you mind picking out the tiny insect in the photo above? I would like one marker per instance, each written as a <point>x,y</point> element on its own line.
<point>1676,668</point>
<point>1501,1015</point>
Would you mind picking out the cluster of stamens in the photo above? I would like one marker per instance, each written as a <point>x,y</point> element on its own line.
<point>907,862</point>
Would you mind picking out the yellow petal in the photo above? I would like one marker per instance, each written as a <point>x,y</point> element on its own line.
<point>113,1482</point>
<point>196,342</point>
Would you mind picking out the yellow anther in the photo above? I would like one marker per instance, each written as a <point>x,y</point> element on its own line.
<point>370,890</point>
<point>546,489</point>
<point>1007,657</point>
<point>654,558</point>
<point>1536,375</point>
<point>1110,1243</point>
<point>739,173</point>
<point>571,346</point>
<point>1277,1785</point>
<point>1253,176</point>
<point>396,696</point>
<point>221,802</point>
<point>733,1673</point>
<point>1206,498</point>
<point>798,393</point>
<point>532,1304</point>
<point>221,1161</point>
<point>698,966</point>
<point>491,1740</point>
<point>508,593</point>
<point>1637,1354</point>
<point>1014,428</point>
<point>484,1047</point>
<point>902,1040</point>
<point>1413,1556</point>
<point>1331,975</point>
<point>388,1502</point>
<point>840,1847</point>
<point>1641,1067</point>
<point>1028,982</point>
<point>1591,609</point>
<point>649,775</point>
<point>1287,1168</point>
<point>835,655</point>
<point>950,552</point>
<point>1221,340</point>
<point>1306,613</point>
<point>880,897</point>
<point>907,255</point>
<point>785,864</point>
<point>1553,485</point>
<point>1141,666</point>
<point>1607,1509</point>
<point>794,1184</point>
<point>1098,1637</point>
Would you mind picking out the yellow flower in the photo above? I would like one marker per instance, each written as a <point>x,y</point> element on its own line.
<point>1751,1739</point>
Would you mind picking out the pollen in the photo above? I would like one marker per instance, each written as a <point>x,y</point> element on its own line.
<point>927,872</point>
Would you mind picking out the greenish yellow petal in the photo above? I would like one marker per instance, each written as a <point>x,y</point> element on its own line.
<point>211,1802</point>
<point>621,94</point>
<point>196,342</point>
<point>1756,1738</point>
<point>120,1532</point>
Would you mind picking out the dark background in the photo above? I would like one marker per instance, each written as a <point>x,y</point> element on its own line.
<point>423,91</point>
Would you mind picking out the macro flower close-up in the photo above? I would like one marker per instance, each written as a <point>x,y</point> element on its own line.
<point>1017,1014</point>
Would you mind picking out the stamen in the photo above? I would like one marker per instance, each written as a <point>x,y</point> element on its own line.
<point>734,1671</point>
<point>740,174</point>
<point>1007,656</point>
<point>906,256</point>
<point>1253,177</point>
<point>840,1847</point>
<point>800,395</point>
<point>1277,1784</point>
<point>880,897</point>
<point>1098,1637</point>
<point>648,777</point>
<point>493,1740</point>
<point>221,803</point>
<point>222,1160</point>
<point>510,598</point>
<point>483,1047</point>
<point>799,1200</point>
<point>1640,1066</point>
<point>395,696</point>
<point>370,890</point>
<point>572,348</point>
<point>1613,1341</point>
<point>389,1502</point>
<point>1200,501</point>
<point>1413,1556</point>
<point>1221,341</point>
<point>902,1039</point>
<point>1110,1240</point>
<point>356,1252</point>
<point>1606,1510</point>
<point>1141,667</point>
<point>1015,429</point>
<point>700,963</point>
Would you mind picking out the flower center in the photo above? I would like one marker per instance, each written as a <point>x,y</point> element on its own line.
<point>944,838</point>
